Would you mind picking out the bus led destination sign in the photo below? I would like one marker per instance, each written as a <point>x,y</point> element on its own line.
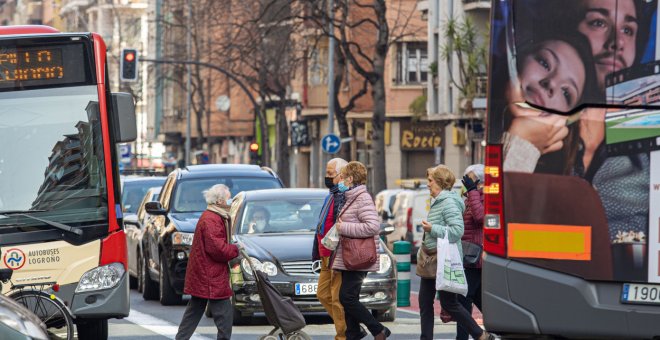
<point>31,64</point>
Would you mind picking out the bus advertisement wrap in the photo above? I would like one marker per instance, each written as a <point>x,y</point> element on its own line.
<point>654,231</point>
<point>579,116</point>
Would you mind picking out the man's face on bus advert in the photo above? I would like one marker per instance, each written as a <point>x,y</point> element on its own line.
<point>611,27</point>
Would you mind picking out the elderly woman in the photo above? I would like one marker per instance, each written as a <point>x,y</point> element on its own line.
<point>445,216</point>
<point>357,219</point>
<point>473,219</point>
<point>207,275</point>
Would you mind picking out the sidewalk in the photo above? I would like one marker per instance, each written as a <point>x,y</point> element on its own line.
<point>414,308</point>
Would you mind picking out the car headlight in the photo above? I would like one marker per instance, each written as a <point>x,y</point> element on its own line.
<point>385,264</point>
<point>103,277</point>
<point>182,239</point>
<point>23,325</point>
<point>246,266</point>
<point>267,267</point>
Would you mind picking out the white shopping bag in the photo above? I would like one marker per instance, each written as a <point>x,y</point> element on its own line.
<point>450,275</point>
<point>331,239</point>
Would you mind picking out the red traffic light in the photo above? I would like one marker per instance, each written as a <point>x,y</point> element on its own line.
<point>254,147</point>
<point>129,56</point>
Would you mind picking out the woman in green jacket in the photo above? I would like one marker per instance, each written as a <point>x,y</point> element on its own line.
<point>445,216</point>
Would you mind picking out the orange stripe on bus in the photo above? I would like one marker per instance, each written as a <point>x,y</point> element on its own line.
<point>549,241</point>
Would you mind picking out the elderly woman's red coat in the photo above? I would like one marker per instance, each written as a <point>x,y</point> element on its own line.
<point>207,274</point>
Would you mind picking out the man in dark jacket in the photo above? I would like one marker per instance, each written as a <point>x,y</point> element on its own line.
<point>207,274</point>
<point>330,280</point>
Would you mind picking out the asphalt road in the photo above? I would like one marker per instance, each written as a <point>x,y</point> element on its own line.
<point>149,320</point>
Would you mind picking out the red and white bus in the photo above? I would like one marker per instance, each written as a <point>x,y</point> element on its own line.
<point>572,188</point>
<point>60,215</point>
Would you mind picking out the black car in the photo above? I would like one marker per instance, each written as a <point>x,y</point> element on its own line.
<point>169,233</point>
<point>282,247</point>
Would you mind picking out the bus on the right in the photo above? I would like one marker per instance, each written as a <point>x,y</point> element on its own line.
<point>572,188</point>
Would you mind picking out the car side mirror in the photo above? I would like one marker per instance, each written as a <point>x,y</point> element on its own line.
<point>131,220</point>
<point>386,229</point>
<point>154,208</point>
<point>123,112</point>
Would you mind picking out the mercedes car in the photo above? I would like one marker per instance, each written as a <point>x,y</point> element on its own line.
<point>276,227</point>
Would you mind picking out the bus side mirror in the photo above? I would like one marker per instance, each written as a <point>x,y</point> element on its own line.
<point>123,111</point>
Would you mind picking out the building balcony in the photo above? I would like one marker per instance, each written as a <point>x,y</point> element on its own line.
<point>474,5</point>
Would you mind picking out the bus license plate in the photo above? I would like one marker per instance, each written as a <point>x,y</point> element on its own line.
<point>306,288</point>
<point>640,293</point>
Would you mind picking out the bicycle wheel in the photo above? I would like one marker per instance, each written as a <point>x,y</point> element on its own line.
<point>52,312</point>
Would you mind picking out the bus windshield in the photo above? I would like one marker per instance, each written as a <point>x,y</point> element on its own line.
<point>52,159</point>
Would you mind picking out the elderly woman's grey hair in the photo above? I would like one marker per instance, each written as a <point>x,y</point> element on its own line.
<point>339,163</point>
<point>477,169</point>
<point>218,192</point>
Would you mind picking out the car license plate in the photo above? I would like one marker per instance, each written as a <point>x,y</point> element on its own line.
<point>306,288</point>
<point>640,293</point>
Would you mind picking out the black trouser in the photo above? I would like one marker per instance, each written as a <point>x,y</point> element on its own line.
<point>473,276</point>
<point>426,299</point>
<point>354,312</point>
<point>223,317</point>
<point>449,302</point>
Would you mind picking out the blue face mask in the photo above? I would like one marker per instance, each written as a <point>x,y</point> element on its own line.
<point>229,201</point>
<point>342,187</point>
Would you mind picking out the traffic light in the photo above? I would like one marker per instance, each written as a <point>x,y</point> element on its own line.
<point>128,66</point>
<point>254,153</point>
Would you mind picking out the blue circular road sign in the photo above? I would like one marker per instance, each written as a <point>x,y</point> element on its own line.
<point>330,143</point>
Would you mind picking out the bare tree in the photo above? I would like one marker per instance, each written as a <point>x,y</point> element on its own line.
<point>365,32</point>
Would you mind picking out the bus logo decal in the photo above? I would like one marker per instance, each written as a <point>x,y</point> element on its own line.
<point>14,259</point>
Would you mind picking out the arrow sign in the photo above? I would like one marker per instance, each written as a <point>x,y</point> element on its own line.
<point>330,143</point>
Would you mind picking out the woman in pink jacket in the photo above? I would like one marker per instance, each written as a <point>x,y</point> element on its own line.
<point>357,219</point>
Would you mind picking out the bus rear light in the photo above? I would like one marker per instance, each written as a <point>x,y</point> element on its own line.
<point>492,221</point>
<point>493,189</point>
<point>494,233</point>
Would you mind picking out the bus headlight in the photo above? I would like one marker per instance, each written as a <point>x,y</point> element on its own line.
<point>385,264</point>
<point>182,239</point>
<point>99,278</point>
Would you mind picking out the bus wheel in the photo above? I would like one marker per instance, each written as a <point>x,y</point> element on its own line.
<point>149,287</point>
<point>168,296</point>
<point>92,329</point>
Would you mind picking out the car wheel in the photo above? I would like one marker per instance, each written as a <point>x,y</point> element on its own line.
<point>387,315</point>
<point>168,297</point>
<point>92,329</point>
<point>149,287</point>
<point>140,279</point>
<point>132,281</point>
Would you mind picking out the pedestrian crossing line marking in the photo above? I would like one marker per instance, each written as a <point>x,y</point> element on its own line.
<point>156,325</point>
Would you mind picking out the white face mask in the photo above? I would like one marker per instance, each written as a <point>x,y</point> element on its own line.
<point>260,225</point>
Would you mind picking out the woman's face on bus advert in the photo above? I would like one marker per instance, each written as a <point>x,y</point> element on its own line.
<point>553,76</point>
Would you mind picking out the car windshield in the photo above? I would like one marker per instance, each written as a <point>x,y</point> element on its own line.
<point>280,216</point>
<point>189,194</point>
<point>52,159</point>
<point>133,192</point>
